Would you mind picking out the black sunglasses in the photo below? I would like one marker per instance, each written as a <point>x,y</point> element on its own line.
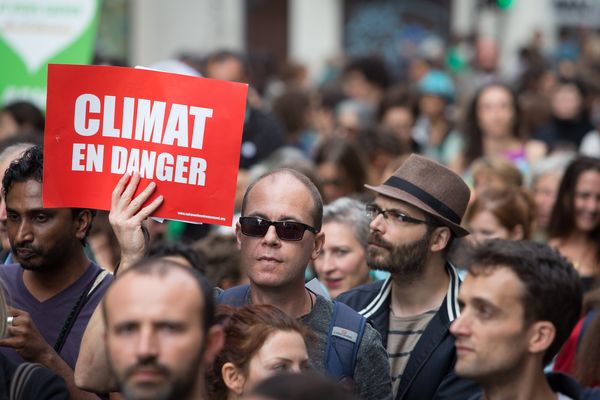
<point>286,230</point>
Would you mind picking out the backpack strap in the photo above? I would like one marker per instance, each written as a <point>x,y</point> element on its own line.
<point>586,324</point>
<point>345,334</point>
<point>20,378</point>
<point>235,296</point>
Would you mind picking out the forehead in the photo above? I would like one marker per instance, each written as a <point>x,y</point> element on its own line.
<point>499,286</point>
<point>388,203</point>
<point>26,194</point>
<point>280,196</point>
<point>495,93</point>
<point>141,297</point>
<point>588,180</point>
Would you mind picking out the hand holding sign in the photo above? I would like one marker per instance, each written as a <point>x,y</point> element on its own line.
<point>126,217</point>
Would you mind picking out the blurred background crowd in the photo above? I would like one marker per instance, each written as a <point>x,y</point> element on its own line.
<point>504,92</point>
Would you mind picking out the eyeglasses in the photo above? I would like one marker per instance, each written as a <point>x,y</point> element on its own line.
<point>286,230</point>
<point>373,210</point>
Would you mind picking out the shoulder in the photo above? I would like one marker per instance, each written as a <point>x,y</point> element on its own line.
<point>360,296</point>
<point>10,270</point>
<point>45,385</point>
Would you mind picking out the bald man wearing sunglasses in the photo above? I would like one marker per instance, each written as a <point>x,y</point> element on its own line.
<point>279,234</point>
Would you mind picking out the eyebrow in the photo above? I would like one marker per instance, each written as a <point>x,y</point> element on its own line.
<point>282,218</point>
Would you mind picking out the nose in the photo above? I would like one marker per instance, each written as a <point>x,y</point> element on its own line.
<point>24,232</point>
<point>295,368</point>
<point>329,263</point>
<point>460,326</point>
<point>147,346</point>
<point>378,223</point>
<point>271,237</point>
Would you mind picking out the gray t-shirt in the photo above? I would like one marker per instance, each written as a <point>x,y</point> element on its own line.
<point>372,372</point>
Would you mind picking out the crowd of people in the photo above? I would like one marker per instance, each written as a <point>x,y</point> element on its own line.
<point>431,237</point>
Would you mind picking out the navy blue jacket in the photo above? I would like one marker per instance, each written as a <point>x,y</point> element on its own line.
<point>429,372</point>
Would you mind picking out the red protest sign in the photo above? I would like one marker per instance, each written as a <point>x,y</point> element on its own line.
<point>182,132</point>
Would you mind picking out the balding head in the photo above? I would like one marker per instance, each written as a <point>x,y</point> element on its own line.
<point>288,173</point>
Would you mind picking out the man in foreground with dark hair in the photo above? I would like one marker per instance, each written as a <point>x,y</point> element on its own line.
<point>519,303</point>
<point>54,289</point>
<point>160,331</point>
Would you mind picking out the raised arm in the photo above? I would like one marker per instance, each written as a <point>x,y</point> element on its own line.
<point>126,216</point>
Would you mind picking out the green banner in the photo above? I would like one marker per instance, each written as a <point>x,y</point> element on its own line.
<point>34,33</point>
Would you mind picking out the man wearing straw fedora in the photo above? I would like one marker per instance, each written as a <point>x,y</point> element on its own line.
<point>415,217</point>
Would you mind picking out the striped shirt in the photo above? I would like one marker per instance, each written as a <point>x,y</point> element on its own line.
<point>403,335</point>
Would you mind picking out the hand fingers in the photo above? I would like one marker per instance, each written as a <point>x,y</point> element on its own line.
<point>14,312</point>
<point>140,199</point>
<point>118,190</point>
<point>149,209</point>
<point>127,194</point>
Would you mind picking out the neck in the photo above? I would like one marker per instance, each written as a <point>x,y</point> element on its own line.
<point>52,279</point>
<point>414,297</point>
<point>578,236</point>
<point>199,391</point>
<point>495,145</point>
<point>295,300</point>
<point>528,383</point>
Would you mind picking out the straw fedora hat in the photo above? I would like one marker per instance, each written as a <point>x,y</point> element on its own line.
<point>430,187</point>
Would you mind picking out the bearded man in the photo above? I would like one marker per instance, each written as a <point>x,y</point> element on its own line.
<point>414,219</point>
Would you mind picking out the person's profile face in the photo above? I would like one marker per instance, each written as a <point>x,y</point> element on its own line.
<point>154,335</point>
<point>270,260</point>
<point>491,335</point>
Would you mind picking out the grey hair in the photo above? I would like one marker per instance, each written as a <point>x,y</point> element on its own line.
<point>365,114</point>
<point>349,212</point>
<point>556,162</point>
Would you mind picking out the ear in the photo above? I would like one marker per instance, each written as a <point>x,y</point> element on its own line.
<point>542,335</point>
<point>319,242</point>
<point>83,222</point>
<point>439,239</point>
<point>233,378</point>
<point>213,342</point>
<point>238,235</point>
<point>517,233</point>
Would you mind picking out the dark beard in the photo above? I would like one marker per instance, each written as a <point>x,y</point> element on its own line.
<point>405,262</point>
<point>178,388</point>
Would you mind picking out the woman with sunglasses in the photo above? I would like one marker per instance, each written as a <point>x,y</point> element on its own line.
<point>342,263</point>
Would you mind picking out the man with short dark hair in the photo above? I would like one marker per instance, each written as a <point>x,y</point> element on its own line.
<point>414,218</point>
<point>55,288</point>
<point>519,303</point>
<point>160,331</point>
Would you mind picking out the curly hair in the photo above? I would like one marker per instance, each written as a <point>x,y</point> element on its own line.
<point>30,167</point>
